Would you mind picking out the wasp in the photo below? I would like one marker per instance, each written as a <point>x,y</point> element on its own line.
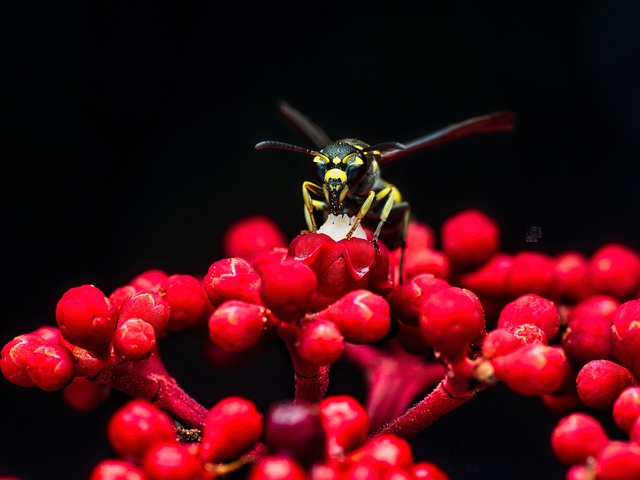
<point>349,180</point>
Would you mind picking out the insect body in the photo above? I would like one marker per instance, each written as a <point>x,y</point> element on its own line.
<point>349,180</point>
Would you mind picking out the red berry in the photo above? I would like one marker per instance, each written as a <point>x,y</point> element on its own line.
<point>248,237</point>
<point>49,334</point>
<point>531,308</point>
<point>85,395</point>
<point>116,470</point>
<point>577,437</point>
<point>287,288</point>
<point>614,269</point>
<point>405,300</point>
<point>170,461</point>
<point>531,370</point>
<point>561,403</point>
<point>451,319</point>
<point>599,383</point>
<point>276,467</point>
<point>187,300</point>
<point>120,294</point>
<point>320,342</point>
<point>137,426</point>
<point>345,422</point>
<point>529,333</point>
<point>625,336</point>
<point>626,408</point>
<point>85,318</point>
<point>587,338</point>
<point>618,461</point>
<point>428,471</point>
<point>51,367</point>
<point>426,260</point>
<point>236,325</point>
<point>420,235</point>
<point>500,342</point>
<point>134,339</point>
<point>148,306</point>
<point>232,279</point>
<point>386,451</point>
<point>361,316</point>
<point>571,271</point>
<point>15,358</point>
<point>600,306</point>
<point>491,278</point>
<point>531,272</point>
<point>233,426</point>
<point>149,279</point>
<point>469,238</point>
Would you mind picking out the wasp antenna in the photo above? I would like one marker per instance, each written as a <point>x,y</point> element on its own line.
<point>303,123</point>
<point>284,146</point>
<point>386,146</point>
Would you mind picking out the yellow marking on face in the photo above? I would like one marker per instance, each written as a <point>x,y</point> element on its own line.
<point>352,159</point>
<point>335,174</point>
<point>337,160</point>
<point>319,159</point>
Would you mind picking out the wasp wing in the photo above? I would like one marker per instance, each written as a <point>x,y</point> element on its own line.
<point>490,123</point>
<point>312,131</point>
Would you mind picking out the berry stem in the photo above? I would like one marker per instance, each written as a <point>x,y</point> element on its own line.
<point>446,397</point>
<point>394,378</point>
<point>150,380</point>
<point>311,380</point>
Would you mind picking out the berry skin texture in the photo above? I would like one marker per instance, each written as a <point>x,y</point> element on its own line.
<point>233,426</point>
<point>577,437</point>
<point>531,308</point>
<point>600,382</point>
<point>320,342</point>
<point>134,339</point>
<point>531,370</point>
<point>625,336</point>
<point>614,269</point>
<point>170,461</point>
<point>116,470</point>
<point>137,426</point>
<point>469,238</point>
<point>345,422</point>
<point>51,367</point>
<point>618,461</point>
<point>232,279</point>
<point>626,408</point>
<point>148,306</point>
<point>236,325</point>
<point>277,467</point>
<point>15,358</point>
<point>85,318</point>
<point>248,237</point>
<point>450,320</point>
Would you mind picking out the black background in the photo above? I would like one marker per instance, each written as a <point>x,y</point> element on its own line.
<point>127,144</point>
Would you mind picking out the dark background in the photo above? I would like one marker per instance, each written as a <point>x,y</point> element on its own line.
<point>127,144</point>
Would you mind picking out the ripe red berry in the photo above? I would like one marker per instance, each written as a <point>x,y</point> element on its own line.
<point>599,383</point>
<point>618,461</point>
<point>146,305</point>
<point>426,260</point>
<point>85,317</point>
<point>149,279</point>
<point>250,236</point>
<point>277,467</point>
<point>577,437</point>
<point>531,370</point>
<point>170,461</point>
<point>614,269</point>
<point>233,426</point>
<point>626,408</point>
<point>319,342</point>
<point>345,422</point>
<point>232,279</point>
<point>500,342</point>
<point>386,451</point>
<point>469,238</point>
<point>236,325</point>
<point>428,471</point>
<point>531,272</point>
<point>51,367</point>
<point>187,300</point>
<point>587,338</point>
<point>287,288</point>
<point>134,339</point>
<point>491,278</point>
<point>137,426</point>
<point>15,358</point>
<point>361,316</point>
<point>534,309</point>
<point>116,470</point>
<point>625,336</point>
<point>451,319</point>
<point>529,333</point>
<point>405,300</point>
<point>85,395</point>
<point>571,272</point>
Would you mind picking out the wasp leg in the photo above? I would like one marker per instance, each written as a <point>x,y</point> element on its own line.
<point>403,241</point>
<point>361,214</point>
<point>310,204</point>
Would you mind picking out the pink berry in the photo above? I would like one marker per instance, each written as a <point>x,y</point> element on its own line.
<point>236,325</point>
<point>116,470</point>
<point>146,305</point>
<point>85,317</point>
<point>469,238</point>
<point>248,237</point>
<point>276,467</point>
<point>531,308</point>
<point>85,395</point>
<point>51,367</point>
<point>626,408</point>
<point>287,288</point>
<point>232,279</point>
<point>137,426</point>
<point>345,422</point>
<point>233,426</point>
<point>134,339</point>
<point>599,383</point>
<point>320,342</point>
<point>625,336</point>
<point>450,320</point>
<point>170,461</point>
<point>187,300</point>
<point>531,272</point>
<point>577,437</point>
<point>618,461</point>
<point>531,370</point>
<point>361,316</point>
<point>406,300</point>
<point>614,269</point>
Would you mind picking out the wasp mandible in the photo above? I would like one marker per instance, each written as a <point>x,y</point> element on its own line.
<point>349,180</point>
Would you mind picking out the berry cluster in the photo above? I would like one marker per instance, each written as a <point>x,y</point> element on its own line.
<point>457,317</point>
